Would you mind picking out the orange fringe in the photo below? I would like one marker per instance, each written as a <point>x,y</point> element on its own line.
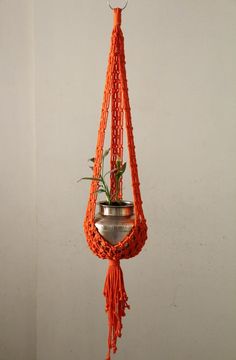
<point>116,303</point>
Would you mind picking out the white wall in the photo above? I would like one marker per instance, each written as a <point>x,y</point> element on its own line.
<point>181,69</point>
<point>17,177</point>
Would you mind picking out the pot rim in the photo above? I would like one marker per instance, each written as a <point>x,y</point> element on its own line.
<point>123,204</point>
<point>126,208</point>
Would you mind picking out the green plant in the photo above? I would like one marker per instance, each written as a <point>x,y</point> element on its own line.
<point>103,187</point>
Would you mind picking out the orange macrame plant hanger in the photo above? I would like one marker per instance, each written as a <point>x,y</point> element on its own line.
<point>116,94</point>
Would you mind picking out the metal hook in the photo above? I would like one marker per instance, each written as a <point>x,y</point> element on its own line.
<point>112,8</point>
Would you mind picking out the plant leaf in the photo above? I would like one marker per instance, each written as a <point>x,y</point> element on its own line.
<point>118,163</point>
<point>92,159</point>
<point>118,176</point>
<point>123,168</point>
<point>106,152</point>
<point>110,172</point>
<point>120,172</point>
<point>89,178</point>
<point>99,191</point>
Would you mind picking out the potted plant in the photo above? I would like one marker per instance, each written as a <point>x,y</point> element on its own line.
<point>115,218</point>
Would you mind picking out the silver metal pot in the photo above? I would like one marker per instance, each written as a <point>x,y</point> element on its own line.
<point>115,221</point>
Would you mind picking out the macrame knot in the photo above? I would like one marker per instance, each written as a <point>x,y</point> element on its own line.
<point>117,16</point>
<point>114,262</point>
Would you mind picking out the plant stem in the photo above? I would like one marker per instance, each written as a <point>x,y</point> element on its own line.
<point>107,192</point>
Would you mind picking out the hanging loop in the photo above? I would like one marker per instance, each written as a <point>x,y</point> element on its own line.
<point>112,7</point>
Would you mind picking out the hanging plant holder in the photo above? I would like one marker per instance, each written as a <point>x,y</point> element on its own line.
<point>118,231</point>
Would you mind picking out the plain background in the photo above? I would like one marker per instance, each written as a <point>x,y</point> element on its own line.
<point>181,58</point>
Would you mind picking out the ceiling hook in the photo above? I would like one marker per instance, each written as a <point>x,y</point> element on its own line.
<point>113,7</point>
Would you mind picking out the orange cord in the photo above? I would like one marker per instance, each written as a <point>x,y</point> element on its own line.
<point>116,93</point>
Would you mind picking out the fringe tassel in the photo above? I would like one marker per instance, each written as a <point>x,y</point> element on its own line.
<point>116,303</point>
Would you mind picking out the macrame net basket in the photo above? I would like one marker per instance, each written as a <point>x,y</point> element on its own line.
<point>116,97</point>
